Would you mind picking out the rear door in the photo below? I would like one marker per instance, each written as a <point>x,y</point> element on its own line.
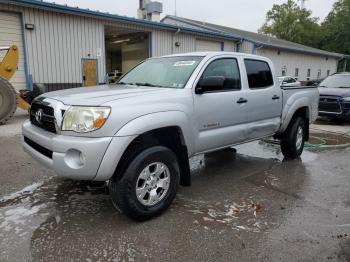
<point>264,100</point>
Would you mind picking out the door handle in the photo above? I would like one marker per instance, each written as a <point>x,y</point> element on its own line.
<point>242,101</point>
<point>275,97</point>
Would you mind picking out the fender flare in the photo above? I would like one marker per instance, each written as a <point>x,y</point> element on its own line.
<point>290,110</point>
<point>149,122</point>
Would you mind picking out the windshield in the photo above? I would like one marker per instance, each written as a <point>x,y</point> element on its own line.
<point>336,81</point>
<point>171,72</point>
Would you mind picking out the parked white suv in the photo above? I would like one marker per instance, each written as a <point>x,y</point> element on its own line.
<point>140,133</point>
<point>288,81</point>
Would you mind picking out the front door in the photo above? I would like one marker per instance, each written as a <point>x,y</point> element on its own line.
<point>89,72</point>
<point>217,115</point>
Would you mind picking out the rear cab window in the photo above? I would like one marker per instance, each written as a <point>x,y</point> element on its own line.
<point>259,74</point>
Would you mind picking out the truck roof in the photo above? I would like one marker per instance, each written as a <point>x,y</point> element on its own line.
<point>216,53</point>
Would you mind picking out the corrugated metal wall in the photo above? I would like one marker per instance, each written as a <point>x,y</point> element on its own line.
<point>58,43</point>
<point>246,47</point>
<point>162,43</point>
<point>11,34</point>
<point>230,46</point>
<point>303,62</point>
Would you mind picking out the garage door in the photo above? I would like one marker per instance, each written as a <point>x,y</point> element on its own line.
<point>11,33</point>
<point>205,45</point>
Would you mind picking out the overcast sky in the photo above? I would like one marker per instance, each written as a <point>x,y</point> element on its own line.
<point>243,14</point>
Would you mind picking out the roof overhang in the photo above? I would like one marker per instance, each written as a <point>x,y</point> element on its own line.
<point>107,16</point>
<point>259,44</point>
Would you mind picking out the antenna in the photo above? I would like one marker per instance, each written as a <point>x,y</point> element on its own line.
<point>175,7</point>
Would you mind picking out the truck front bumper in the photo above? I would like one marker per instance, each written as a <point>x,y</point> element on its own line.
<point>78,158</point>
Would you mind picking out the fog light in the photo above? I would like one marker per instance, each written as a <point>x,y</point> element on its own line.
<point>74,159</point>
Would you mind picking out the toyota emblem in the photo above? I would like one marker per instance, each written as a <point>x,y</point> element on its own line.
<point>39,115</point>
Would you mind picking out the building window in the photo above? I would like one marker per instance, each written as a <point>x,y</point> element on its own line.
<point>328,72</point>
<point>319,73</point>
<point>284,71</point>
<point>308,73</point>
<point>296,72</point>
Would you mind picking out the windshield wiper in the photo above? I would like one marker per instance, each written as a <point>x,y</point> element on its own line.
<point>123,83</point>
<point>148,84</point>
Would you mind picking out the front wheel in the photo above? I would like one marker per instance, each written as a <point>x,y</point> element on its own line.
<point>148,185</point>
<point>293,139</point>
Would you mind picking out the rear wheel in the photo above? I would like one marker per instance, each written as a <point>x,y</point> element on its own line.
<point>8,101</point>
<point>293,139</point>
<point>148,185</point>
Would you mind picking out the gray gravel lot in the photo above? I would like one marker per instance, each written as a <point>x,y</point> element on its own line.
<point>249,206</point>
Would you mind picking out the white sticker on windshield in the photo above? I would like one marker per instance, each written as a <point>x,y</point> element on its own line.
<point>185,63</point>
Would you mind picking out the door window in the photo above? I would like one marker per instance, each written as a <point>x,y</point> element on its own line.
<point>259,74</point>
<point>227,68</point>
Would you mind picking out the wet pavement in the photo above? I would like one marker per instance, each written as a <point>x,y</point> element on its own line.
<point>245,206</point>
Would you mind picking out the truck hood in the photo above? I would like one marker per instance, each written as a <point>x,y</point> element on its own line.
<point>342,92</point>
<point>94,96</point>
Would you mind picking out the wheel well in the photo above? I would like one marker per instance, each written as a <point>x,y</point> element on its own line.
<point>170,137</point>
<point>304,113</point>
<point>301,112</point>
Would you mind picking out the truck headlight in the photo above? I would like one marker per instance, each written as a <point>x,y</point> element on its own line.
<point>83,119</point>
<point>346,99</point>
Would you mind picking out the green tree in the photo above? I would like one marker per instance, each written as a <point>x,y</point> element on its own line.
<point>290,22</point>
<point>336,28</point>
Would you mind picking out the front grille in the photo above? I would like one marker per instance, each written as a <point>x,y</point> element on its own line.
<point>46,152</point>
<point>47,119</point>
<point>329,104</point>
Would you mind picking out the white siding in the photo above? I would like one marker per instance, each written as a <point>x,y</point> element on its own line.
<point>11,34</point>
<point>303,62</point>
<point>246,47</point>
<point>58,43</point>
<point>208,45</point>
<point>230,46</point>
<point>187,43</point>
<point>162,43</point>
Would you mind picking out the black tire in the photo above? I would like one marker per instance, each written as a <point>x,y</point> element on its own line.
<point>8,101</point>
<point>123,190</point>
<point>289,146</point>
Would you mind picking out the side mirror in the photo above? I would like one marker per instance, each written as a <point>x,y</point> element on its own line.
<point>210,83</point>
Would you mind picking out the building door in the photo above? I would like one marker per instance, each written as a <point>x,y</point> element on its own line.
<point>11,34</point>
<point>89,72</point>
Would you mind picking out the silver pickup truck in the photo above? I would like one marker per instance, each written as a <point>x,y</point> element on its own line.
<point>140,133</point>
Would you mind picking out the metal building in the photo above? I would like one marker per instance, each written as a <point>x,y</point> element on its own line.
<point>63,46</point>
<point>296,60</point>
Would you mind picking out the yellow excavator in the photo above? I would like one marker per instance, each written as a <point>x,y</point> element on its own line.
<point>10,99</point>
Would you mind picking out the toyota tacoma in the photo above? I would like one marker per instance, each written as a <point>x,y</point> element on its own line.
<point>140,133</point>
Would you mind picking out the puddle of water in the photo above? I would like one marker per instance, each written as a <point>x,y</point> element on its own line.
<point>245,215</point>
<point>265,150</point>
